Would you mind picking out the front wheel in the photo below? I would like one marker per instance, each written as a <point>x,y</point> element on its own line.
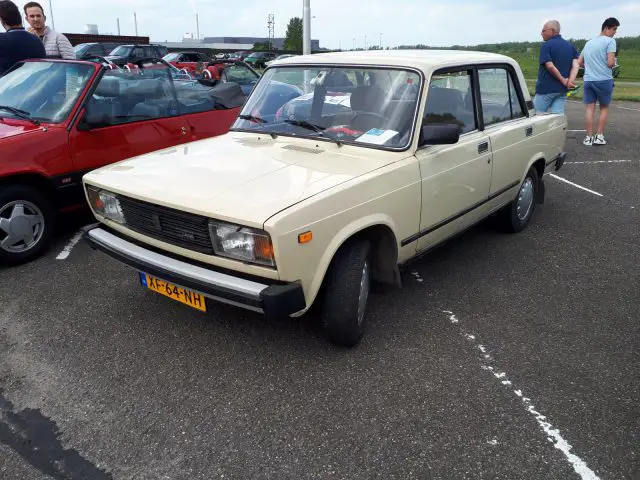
<point>26,224</point>
<point>516,216</point>
<point>347,293</point>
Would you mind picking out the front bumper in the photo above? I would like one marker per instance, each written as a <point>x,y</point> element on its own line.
<point>273,300</point>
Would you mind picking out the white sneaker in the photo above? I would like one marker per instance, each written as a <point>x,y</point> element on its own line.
<point>599,140</point>
<point>588,141</point>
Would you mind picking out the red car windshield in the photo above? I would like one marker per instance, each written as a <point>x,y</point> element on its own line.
<point>47,91</point>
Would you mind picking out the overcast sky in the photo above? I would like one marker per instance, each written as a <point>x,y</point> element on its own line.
<point>433,22</point>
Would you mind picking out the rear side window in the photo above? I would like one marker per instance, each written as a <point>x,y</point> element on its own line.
<point>500,101</point>
<point>450,100</point>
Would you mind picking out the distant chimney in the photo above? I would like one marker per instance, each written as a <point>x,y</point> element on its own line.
<point>91,29</point>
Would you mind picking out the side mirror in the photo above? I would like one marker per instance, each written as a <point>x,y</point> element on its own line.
<point>439,134</point>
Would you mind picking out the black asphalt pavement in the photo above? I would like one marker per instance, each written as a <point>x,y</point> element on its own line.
<point>503,357</point>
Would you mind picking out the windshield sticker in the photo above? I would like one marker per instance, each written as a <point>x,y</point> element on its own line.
<point>375,136</point>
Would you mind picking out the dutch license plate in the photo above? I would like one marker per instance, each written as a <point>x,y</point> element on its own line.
<point>180,294</point>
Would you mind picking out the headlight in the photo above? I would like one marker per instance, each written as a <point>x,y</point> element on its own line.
<point>105,204</point>
<point>241,243</point>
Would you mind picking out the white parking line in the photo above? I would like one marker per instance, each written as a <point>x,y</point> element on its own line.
<point>576,130</point>
<point>66,251</point>
<point>553,434</point>
<point>627,108</point>
<point>575,185</point>
<point>599,161</point>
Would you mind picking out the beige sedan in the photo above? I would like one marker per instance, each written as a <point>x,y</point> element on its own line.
<point>341,168</point>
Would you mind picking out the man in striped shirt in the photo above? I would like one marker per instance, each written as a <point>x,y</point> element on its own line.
<point>55,44</point>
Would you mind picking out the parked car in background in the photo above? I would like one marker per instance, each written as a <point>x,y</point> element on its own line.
<point>60,119</point>
<point>223,71</point>
<point>280,57</point>
<point>131,53</point>
<point>89,50</point>
<point>311,206</point>
<point>241,55</point>
<point>179,58</point>
<point>260,59</point>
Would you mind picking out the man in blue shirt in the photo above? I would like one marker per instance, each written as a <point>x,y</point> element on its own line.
<point>598,58</point>
<point>17,44</point>
<point>557,70</point>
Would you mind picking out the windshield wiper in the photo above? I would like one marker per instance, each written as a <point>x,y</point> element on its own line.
<point>252,118</point>
<point>19,113</point>
<point>312,126</point>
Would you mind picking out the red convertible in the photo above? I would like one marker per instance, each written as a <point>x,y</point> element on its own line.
<point>60,119</point>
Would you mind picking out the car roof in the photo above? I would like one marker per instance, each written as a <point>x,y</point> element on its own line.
<point>426,60</point>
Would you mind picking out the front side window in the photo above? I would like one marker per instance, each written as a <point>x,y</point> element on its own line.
<point>47,91</point>
<point>499,97</point>
<point>450,100</point>
<point>362,106</point>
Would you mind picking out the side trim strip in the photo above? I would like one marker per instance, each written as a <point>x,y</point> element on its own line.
<point>454,217</point>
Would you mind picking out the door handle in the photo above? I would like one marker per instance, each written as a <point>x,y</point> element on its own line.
<point>528,131</point>
<point>483,147</point>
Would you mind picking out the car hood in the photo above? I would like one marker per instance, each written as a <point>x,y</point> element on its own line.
<point>239,177</point>
<point>11,130</point>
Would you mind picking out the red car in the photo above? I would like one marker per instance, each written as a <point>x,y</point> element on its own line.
<point>230,70</point>
<point>60,119</point>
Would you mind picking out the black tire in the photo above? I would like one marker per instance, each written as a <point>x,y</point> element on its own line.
<point>29,195</point>
<point>510,218</point>
<point>343,319</point>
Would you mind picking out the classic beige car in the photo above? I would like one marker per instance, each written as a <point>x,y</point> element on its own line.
<point>341,168</point>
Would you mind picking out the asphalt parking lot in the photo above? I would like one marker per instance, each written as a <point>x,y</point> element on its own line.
<point>503,357</point>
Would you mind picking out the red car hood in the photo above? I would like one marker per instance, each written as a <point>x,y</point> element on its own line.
<point>12,129</point>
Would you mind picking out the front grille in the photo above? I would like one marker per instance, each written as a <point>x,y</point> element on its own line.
<point>182,229</point>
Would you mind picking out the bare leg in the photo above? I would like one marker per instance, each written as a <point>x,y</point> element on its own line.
<point>604,114</point>
<point>589,113</point>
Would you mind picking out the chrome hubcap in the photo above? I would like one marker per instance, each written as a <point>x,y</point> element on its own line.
<point>364,291</point>
<point>525,199</point>
<point>21,226</point>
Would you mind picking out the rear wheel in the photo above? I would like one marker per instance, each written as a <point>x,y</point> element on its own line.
<point>347,293</point>
<point>516,216</point>
<point>27,221</point>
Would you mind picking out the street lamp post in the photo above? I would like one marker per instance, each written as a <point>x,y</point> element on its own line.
<point>53,23</point>
<point>380,40</point>
<point>306,27</point>
<point>365,42</point>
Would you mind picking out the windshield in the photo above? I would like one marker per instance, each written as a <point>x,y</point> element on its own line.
<point>81,49</point>
<point>121,51</point>
<point>363,106</point>
<point>46,90</point>
<point>172,57</point>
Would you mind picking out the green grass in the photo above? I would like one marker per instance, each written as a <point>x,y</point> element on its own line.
<point>629,61</point>
<point>620,92</point>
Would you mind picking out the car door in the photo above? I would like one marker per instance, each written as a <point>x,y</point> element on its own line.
<point>455,178</point>
<point>127,115</point>
<point>506,124</point>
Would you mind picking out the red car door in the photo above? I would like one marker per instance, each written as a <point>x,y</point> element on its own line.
<point>128,115</point>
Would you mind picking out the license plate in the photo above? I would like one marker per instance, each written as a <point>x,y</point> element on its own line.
<point>180,294</point>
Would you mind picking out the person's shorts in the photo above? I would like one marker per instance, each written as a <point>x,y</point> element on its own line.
<point>550,102</point>
<point>601,91</point>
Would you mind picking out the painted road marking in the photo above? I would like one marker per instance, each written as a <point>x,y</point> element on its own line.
<point>553,434</point>
<point>66,251</point>
<point>598,161</point>
<point>575,185</point>
<point>627,108</point>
